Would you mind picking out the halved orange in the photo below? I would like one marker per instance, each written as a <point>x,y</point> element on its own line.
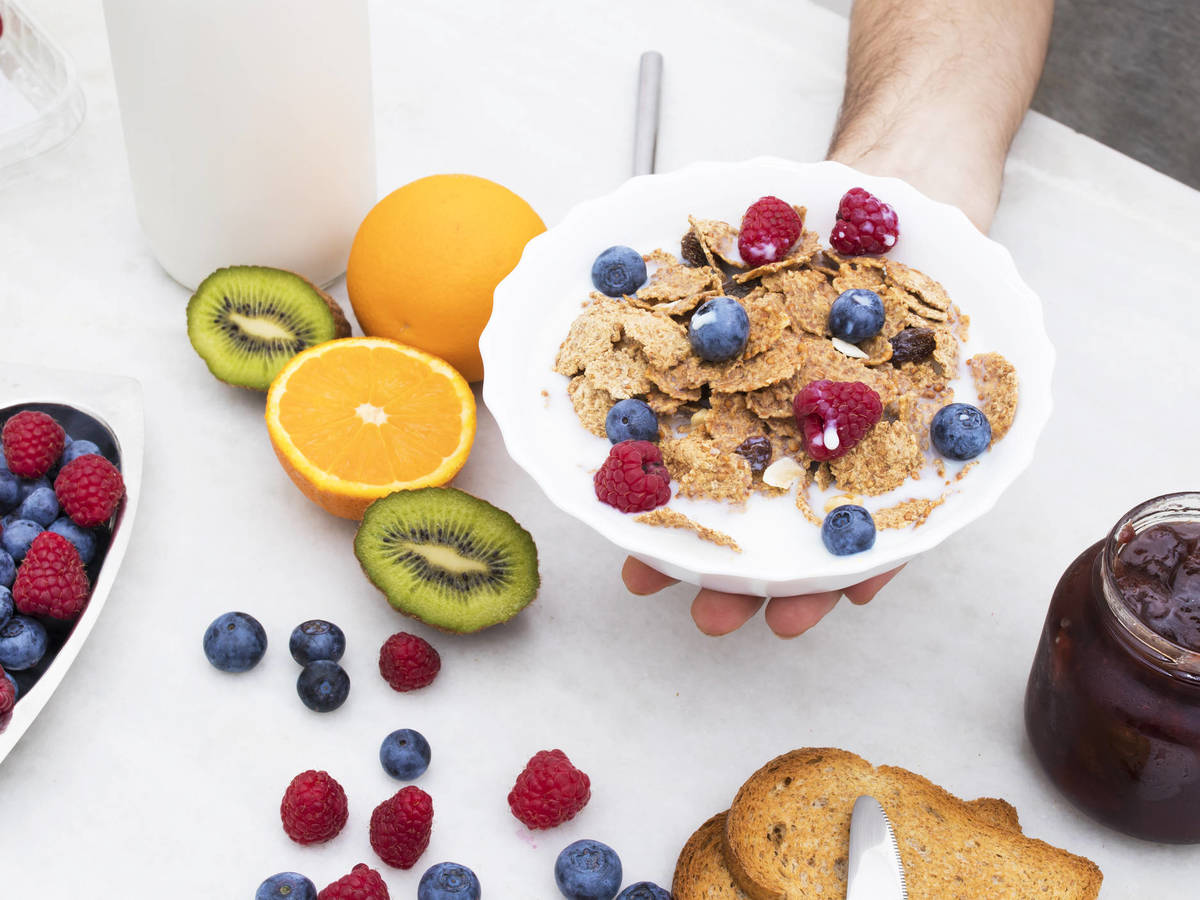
<point>353,420</point>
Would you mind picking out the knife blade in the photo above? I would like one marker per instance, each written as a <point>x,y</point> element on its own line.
<point>875,871</point>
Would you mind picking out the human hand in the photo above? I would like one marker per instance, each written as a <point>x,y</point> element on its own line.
<point>717,613</point>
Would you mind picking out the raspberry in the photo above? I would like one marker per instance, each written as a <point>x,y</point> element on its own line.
<point>769,228</point>
<point>835,415</point>
<point>633,478</point>
<point>89,489</point>
<point>33,442</point>
<point>400,827</point>
<point>363,883</point>
<point>51,581</point>
<point>8,694</point>
<point>549,791</point>
<point>314,808</point>
<point>865,224</point>
<point>408,662</point>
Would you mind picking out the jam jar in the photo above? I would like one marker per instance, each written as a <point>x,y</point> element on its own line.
<point>1113,702</point>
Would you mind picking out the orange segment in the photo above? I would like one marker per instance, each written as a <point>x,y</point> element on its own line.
<point>356,419</point>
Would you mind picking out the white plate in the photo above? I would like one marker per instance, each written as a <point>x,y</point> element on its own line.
<point>115,405</point>
<point>782,553</point>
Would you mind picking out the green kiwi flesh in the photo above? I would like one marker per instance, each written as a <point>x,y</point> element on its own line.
<point>447,558</point>
<point>246,322</point>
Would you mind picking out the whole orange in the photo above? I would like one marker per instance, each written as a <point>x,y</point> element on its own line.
<point>427,258</point>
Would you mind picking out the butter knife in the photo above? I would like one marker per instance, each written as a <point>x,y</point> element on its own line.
<point>875,871</point>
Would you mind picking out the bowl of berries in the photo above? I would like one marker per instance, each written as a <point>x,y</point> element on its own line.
<point>70,473</point>
<point>768,377</point>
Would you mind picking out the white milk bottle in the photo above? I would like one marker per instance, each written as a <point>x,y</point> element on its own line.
<point>248,127</point>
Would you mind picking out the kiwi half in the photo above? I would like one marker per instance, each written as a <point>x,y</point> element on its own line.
<point>246,322</point>
<point>447,558</point>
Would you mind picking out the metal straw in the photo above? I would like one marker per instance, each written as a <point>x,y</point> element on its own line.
<point>645,135</point>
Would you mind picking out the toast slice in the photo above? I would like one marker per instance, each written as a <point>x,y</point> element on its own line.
<point>701,873</point>
<point>787,834</point>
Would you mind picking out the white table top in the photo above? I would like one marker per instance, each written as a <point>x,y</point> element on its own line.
<point>150,771</point>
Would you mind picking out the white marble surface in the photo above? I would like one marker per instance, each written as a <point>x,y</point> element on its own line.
<point>150,773</point>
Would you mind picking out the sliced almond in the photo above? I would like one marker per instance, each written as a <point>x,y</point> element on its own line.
<point>783,473</point>
<point>848,349</point>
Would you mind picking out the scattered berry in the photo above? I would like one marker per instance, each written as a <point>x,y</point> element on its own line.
<point>960,431</point>
<point>76,449</point>
<point>631,420</point>
<point>84,539</point>
<point>323,685</point>
<point>912,345</point>
<point>8,572</point>
<point>10,490</point>
<point>549,791</point>
<point>400,827</point>
<point>644,890</point>
<point>719,329</point>
<point>448,881</point>
<point>618,271</point>
<point>33,442</point>
<point>408,662</point>
<point>286,886</point>
<point>588,870</point>
<point>405,754</point>
<point>848,529</point>
<point>633,478</point>
<point>18,535</point>
<point>363,883</point>
<point>25,487</point>
<point>314,808</point>
<point>316,639</point>
<point>834,416</point>
<point>7,607</point>
<point>235,642</point>
<point>89,489</point>
<point>13,682</point>
<point>8,695</point>
<point>856,315</point>
<point>865,224</point>
<point>40,506</point>
<point>51,581</point>
<point>769,228</point>
<point>22,643</point>
<point>756,450</point>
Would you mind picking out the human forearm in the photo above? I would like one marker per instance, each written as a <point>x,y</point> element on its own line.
<point>935,91</point>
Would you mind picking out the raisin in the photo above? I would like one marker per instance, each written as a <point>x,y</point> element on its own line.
<point>912,345</point>
<point>691,251</point>
<point>757,451</point>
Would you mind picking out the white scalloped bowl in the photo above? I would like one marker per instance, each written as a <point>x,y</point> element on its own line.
<point>782,552</point>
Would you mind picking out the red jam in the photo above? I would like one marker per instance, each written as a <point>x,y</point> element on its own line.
<point>1113,702</point>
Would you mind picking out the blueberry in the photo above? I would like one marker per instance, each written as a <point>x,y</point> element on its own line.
<point>719,329</point>
<point>28,486</point>
<point>856,315</point>
<point>40,506</point>
<point>316,639</point>
<point>644,890</point>
<point>22,643</point>
<point>588,870</point>
<point>235,642</point>
<point>404,754</point>
<point>448,881</point>
<point>960,431</point>
<point>848,529</point>
<point>8,569</point>
<point>619,271</point>
<point>7,607</point>
<point>631,420</point>
<point>18,535</point>
<point>76,450</point>
<point>10,490</point>
<point>286,886</point>
<point>16,687</point>
<point>84,539</point>
<point>323,685</point>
